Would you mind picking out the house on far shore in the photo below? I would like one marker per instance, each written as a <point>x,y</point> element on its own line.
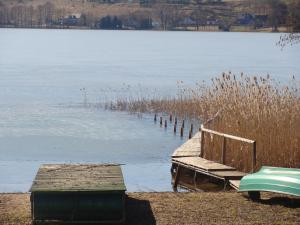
<point>187,21</point>
<point>71,20</point>
<point>156,25</point>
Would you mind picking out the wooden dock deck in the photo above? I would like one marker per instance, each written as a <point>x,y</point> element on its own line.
<point>189,156</point>
<point>189,148</point>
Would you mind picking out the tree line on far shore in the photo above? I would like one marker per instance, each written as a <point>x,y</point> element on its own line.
<point>171,16</point>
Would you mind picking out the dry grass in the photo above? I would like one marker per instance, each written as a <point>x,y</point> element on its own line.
<point>256,108</point>
<point>179,208</point>
<point>15,209</point>
<point>92,9</point>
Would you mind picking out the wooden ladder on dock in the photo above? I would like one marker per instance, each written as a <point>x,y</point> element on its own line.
<point>190,156</point>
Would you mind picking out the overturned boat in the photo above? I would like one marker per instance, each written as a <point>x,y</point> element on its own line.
<point>271,179</point>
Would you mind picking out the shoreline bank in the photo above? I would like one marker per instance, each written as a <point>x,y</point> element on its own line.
<point>162,208</point>
<point>236,29</point>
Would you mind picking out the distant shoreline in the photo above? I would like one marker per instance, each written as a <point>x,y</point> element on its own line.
<point>236,30</point>
<point>180,15</point>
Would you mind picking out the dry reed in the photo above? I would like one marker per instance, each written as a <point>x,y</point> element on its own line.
<point>256,108</point>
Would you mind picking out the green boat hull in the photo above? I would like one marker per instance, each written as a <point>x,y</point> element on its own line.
<point>272,179</point>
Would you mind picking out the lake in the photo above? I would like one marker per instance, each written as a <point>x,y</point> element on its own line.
<point>48,76</point>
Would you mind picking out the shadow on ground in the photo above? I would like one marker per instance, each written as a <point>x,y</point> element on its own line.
<point>274,199</point>
<point>139,212</point>
<point>282,201</point>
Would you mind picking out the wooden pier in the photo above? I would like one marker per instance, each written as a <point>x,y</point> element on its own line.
<point>189,156</point>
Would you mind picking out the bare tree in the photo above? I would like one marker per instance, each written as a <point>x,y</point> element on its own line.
<point>4,16</point>
<point>294,14</point>
<point>200,14</point>
<point>48,12</point>
<point>164,15</point>
<point>30,15</point>
<point>168,14</point>
<point>277,12</point>
<point>17,15</point>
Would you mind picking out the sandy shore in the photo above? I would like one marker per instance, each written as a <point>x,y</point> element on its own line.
<point>180,208</point>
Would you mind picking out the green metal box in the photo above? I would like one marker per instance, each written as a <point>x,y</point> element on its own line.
<point>78,193</point>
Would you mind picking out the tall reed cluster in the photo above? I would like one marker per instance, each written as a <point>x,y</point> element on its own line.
<point>256,108</point>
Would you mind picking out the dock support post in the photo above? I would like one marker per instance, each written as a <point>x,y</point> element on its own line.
<point>177,176</point>
<point>155,118</point>
<point>224,150</point>
<point>174,128</point>
<point>171,117</point>
<point>202,144</point>
<point>254,157</point>
<point>166,124</point>
<point>195,180</point>
<point>161,121</point>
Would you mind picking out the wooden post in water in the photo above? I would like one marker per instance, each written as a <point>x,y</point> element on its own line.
<point>191,131</point>
<point>224,150</point>
<point>181,131</point>
<point>182,123</point>
<point>155,117</point>
<point>176,120</point>
<point>254,157</point>
<point>166,124</point>
<point>171,117</point>
<point>175,125</point>
<point>161,121</point>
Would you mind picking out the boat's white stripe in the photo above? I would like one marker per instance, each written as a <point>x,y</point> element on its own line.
<point>281,172</point>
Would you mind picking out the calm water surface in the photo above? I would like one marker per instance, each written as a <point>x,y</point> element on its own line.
<point>43,73</point>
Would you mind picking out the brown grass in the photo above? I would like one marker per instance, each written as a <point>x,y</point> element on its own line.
<point>179,208</point>
<point>92,9</point>
<point>256,108</point>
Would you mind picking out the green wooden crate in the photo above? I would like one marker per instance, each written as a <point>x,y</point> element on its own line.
<point>78,193</point>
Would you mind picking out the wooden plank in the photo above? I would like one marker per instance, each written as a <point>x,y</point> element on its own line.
<point>201,144</point>
<point>227,135</point>
<point>235,184</point>
<point>201,163</point>
<point>79,177</point>
<point>224,151</point>
<point>189,148</point>
<point>253,157</point>
<point>234,175</point>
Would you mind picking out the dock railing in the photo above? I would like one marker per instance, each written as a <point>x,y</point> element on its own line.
<point>227,136</point>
